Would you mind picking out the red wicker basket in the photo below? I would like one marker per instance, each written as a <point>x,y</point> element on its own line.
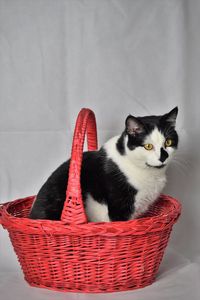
<point>73,255</point>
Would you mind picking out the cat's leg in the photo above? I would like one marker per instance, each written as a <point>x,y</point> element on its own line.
<point>96,211</point>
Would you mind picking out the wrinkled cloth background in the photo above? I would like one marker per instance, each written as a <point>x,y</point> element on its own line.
<point>115,57</point>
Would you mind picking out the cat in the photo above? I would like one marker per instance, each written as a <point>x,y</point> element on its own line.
<point>121,180</point>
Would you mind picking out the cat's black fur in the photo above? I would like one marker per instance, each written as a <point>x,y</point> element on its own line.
<point>101,177</point>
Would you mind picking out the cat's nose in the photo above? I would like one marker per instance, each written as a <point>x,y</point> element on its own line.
<point>163,155</point>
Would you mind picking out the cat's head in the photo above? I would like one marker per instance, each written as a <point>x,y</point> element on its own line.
<point>151,141</point>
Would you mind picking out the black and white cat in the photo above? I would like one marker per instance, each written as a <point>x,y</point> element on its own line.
<point>122,179</point>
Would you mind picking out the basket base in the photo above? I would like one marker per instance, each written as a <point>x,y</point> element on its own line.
<point>88,258</point>
<point>91,290</point>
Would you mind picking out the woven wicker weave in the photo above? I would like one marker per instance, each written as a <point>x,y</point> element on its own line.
<point>73,255</point>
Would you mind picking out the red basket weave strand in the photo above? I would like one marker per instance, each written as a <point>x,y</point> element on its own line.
<point>73,255</point>
<point>1,209</point>
<point>73,210</point>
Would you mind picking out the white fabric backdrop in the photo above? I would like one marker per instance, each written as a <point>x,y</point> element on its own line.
<point>116,57</point>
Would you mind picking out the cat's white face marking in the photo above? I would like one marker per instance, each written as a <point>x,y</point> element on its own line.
<point>142,157</point>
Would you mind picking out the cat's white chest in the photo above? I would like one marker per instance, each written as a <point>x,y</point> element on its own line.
<point>147,193</point>
<point>149,185</point>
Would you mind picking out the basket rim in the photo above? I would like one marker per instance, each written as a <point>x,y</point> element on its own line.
<point>135,227</point>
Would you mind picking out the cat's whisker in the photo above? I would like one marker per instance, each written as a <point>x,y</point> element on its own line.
<point>183,160</point>
<point>181,167</point>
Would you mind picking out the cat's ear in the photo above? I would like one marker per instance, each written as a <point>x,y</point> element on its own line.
<point>171,116</point>
<point>133,126</point>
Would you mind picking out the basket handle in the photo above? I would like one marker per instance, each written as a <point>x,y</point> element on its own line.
<point>73,210</point>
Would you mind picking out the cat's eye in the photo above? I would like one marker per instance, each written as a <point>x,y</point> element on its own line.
<point>168,143</point>
<point>148,146</point>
